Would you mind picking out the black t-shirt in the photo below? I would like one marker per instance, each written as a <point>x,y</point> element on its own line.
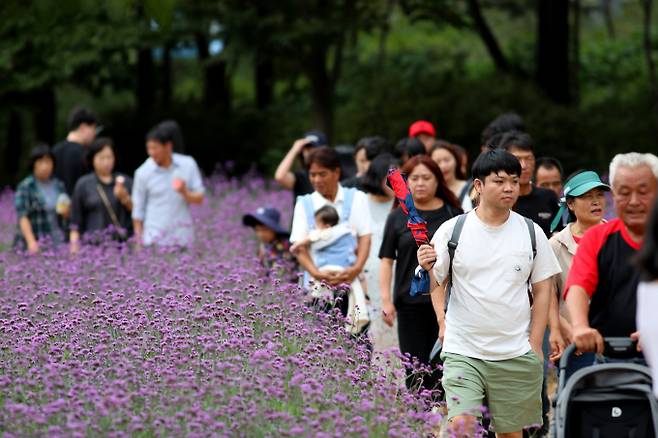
<point>88,211</point>
<point>540,205</point>
<point>604,267</point>
<point>353,181</point>
<point>302,184</point>
<point>69,163</point>
<point>399,244</point>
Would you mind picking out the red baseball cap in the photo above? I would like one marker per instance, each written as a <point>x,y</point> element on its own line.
<point>421,127</point>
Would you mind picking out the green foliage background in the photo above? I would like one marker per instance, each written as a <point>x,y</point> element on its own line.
<point>401,61</point>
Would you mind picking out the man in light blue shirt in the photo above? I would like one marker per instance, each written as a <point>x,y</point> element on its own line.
<point>164,187</point>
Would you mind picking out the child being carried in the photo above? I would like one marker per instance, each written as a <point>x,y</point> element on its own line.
<point>333,249</point>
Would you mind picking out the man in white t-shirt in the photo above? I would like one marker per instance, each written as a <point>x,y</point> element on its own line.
<point>324,173</point>
<point>492,335</point>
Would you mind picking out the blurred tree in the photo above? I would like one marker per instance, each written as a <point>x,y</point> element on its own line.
<point>647,10</point>
<point>553,75</point>
<point>312,35</point>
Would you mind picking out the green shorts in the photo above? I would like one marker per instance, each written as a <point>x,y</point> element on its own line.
<point>511,388</point>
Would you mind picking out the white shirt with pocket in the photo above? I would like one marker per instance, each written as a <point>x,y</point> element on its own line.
<point>488,315</point>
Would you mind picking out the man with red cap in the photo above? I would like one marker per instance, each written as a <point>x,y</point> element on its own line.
<point>423,131</point>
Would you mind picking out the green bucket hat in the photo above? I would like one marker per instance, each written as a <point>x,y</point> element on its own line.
<point>575,187</point>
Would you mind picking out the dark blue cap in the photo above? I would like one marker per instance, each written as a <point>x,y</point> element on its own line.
<point>270,217</point>
<point>315,138</point>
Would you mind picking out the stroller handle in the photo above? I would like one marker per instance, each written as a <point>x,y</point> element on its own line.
<point>614,347</point>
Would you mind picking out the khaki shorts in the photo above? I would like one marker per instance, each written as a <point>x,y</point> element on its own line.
<point>511,388</point>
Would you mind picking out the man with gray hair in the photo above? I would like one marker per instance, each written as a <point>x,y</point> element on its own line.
<point>600,291</point>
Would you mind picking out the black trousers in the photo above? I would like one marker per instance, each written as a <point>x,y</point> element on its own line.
<point>418,330</point>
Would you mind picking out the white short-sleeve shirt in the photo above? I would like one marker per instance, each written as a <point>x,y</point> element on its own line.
<point>166,214</point>
<point>359,218</point>
<point>488,315</point>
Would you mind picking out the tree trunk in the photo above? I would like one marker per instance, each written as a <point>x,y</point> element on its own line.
<point>553,49</point>
<point>487,36</point>
<point>43,104</point>
<point>145,81</point>
<point>575,51</point>
<point>216,90</point>
<point>322,89</point>
<point>606,8</point>
<point>647,8</point>
<point>264,77</point>
<point>383,34</point>
<point>12,155</point>
<point>166,75</point>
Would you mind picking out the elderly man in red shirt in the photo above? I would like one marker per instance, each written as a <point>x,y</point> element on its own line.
<point>601,286</point>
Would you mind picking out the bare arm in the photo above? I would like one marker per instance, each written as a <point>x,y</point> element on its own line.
<point>28,234</point>
<point>556,339</point>
<point>306,262</point>
<point>193,197</point>
<point>362,253</point>
<point>585,337</point>
<point>283,175</point>
<point>385,277</point>
<point>539,319</point>
<point>138,226</point>
<point>74,238</point>
<point>553,309</point>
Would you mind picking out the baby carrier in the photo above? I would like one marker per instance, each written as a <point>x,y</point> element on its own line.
<point>356,309</point>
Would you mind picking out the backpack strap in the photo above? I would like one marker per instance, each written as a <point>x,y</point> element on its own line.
<point>348,200</point>
<point>533,237</point>
<point>533,242</point>
<point>452,246</point>
<point>307,203</point>
<point>465,190</point>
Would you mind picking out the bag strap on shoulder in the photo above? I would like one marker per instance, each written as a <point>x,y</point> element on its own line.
<point>452,247</point>
<point>348,200</point>
<point>307,203</point>
<point>533,237</point>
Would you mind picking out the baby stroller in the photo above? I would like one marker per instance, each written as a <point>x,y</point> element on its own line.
<point>606,400</point>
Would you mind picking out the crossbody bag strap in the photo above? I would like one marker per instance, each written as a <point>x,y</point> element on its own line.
<point>108,207</point>
<point>452,246</point>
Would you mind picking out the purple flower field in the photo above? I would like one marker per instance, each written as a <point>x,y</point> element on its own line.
<point>113,342</point>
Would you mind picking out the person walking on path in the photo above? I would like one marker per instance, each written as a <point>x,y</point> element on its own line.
<point>492,330</point>
<point>101,198</point>
<point>351,205</point>
<point>539,205</point>
<point>164,188</point>
<point>601,288</point>
<point>380,204</point>
<point>298,180</point>
<point>417,323</point>
<point>41,204</point>
<point>584,198</point>
<point>70,153</point>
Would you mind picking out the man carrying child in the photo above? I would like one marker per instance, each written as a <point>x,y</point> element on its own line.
<point>352,208</point>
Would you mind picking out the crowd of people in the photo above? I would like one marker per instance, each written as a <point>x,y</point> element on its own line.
<point>522,261</point>
<point>73,194</point>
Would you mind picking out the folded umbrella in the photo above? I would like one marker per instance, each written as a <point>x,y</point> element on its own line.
<point>416,224</point>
